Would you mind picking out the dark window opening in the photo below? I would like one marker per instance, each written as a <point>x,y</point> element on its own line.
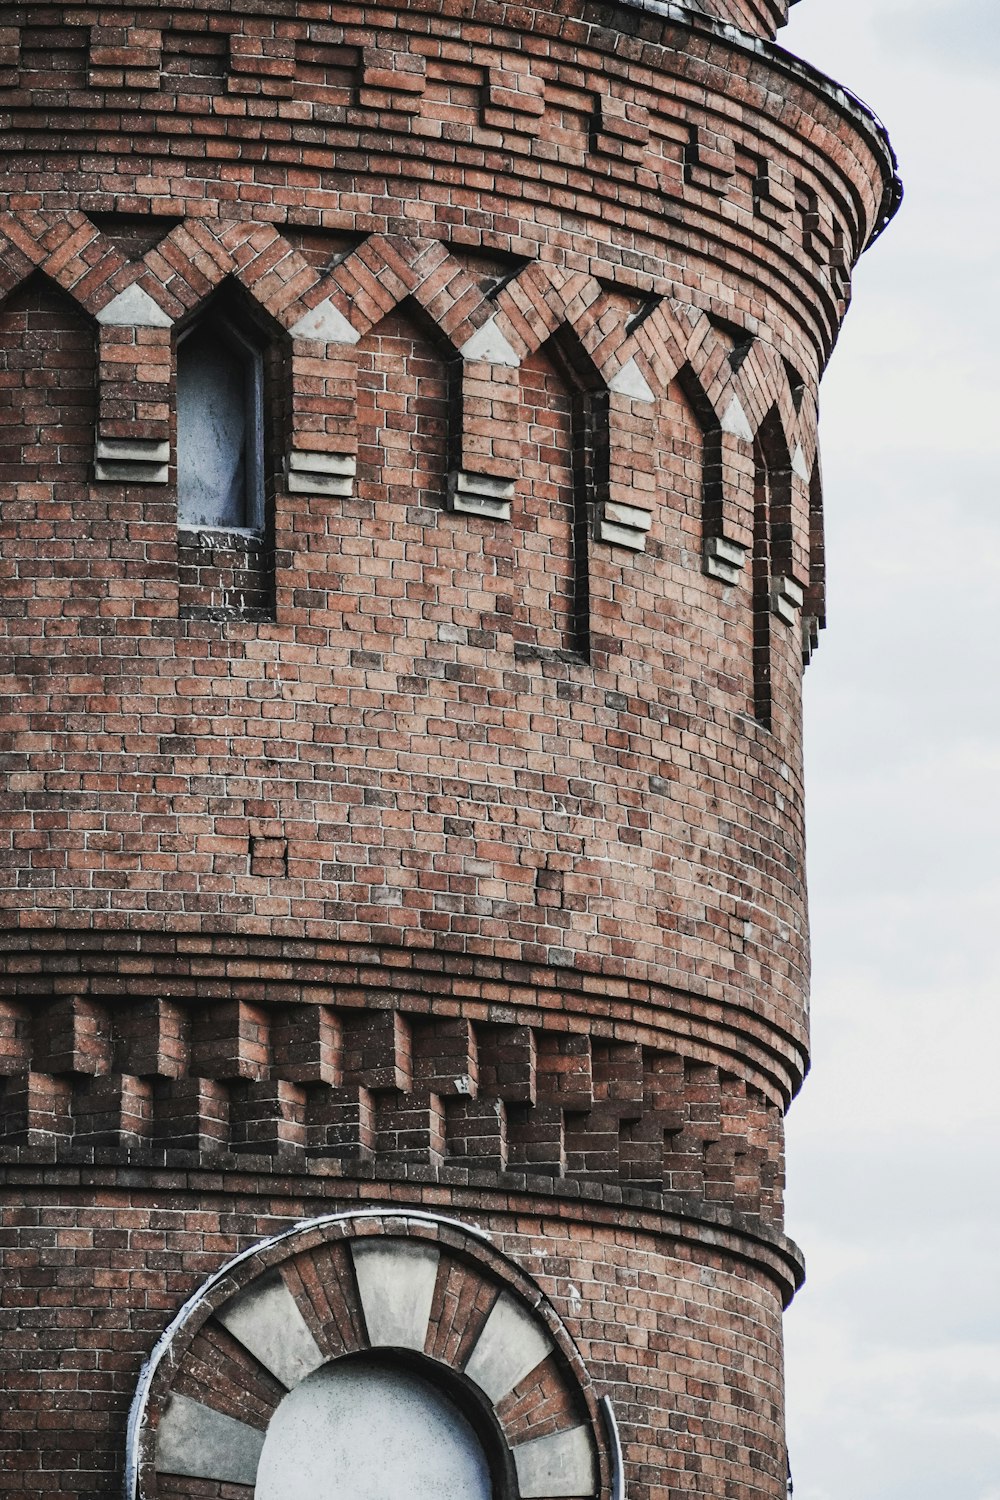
<point>772,559</point>
<point>225,535</point>
<point>219,429</point>
<point>564,464</point>
<point>761,566</point>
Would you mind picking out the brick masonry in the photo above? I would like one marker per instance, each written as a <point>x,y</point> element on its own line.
<point>440,844</point>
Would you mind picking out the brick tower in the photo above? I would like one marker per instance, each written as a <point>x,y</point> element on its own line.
<point>410,542</point>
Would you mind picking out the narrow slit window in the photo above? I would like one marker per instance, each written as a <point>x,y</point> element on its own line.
<point>761,573</point>
<point>219,430</point>
<point>567,427</point>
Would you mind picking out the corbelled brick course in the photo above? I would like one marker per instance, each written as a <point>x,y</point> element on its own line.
<point>437,842</point>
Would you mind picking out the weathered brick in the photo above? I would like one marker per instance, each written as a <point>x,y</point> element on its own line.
<point>401,848</point>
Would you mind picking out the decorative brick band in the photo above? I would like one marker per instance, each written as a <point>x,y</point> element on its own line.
<point>629,362</point>
<point>379,1091</point>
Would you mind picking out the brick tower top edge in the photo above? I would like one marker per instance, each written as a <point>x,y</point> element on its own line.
<point>756,17</point>
<point>542,706</point>
<point>411,538</point>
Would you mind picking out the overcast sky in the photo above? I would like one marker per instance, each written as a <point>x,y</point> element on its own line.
<point>894,1151</point>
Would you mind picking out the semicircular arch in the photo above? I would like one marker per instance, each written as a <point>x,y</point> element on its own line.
<point>427,1299</point>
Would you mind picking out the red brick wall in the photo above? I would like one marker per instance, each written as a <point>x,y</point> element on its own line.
<point>47,360</point>
<point>224,576</point>
<point>549,560</point>
<point>465,865</point>
<point>402,428</point>
<point>684,1340</point>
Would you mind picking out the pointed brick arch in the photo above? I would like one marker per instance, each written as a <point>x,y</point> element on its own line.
<point>16,263</point>
<point>674,336</point>
<point>543,298</point>
<point>762,384</point>
<point>384,271</point>
<point>68,249</point>
<point>337,311</point>
<point>678,342</point>
<point>186,266</point>
<point>133,333</point>
<point>780,556</point>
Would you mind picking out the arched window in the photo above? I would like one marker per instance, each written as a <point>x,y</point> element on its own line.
<point>47,392</point>
<point>321,1443</point>
<point>219,429</point>
<point>343,1362</point>
<point>776,595</point>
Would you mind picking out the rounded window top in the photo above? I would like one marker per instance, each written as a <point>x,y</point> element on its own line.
<point>367,1429</point>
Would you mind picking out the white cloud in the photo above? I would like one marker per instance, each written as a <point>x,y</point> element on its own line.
<point>966,33</point>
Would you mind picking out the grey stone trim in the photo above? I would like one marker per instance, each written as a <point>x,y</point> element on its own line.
<point>200,1443</point>
<point>623,525</point>
<point>735,421</point>
<point>559,1465</point>
<point>724,559</point>
<point>786,599</point>
<point>630,381</point>
<point>134,308</point>
<point>490,345</point>
<point>329,474</point>
<point>480,495</point>
<point>131,461</point>
<point>509,1347</point>
<point>396,1281</point>
<point>618,1484</point>
<point>266,1320</point>
<point>326,324</point>
<point>799,464</point>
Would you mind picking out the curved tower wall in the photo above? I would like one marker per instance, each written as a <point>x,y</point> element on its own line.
<point>434,841</point>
